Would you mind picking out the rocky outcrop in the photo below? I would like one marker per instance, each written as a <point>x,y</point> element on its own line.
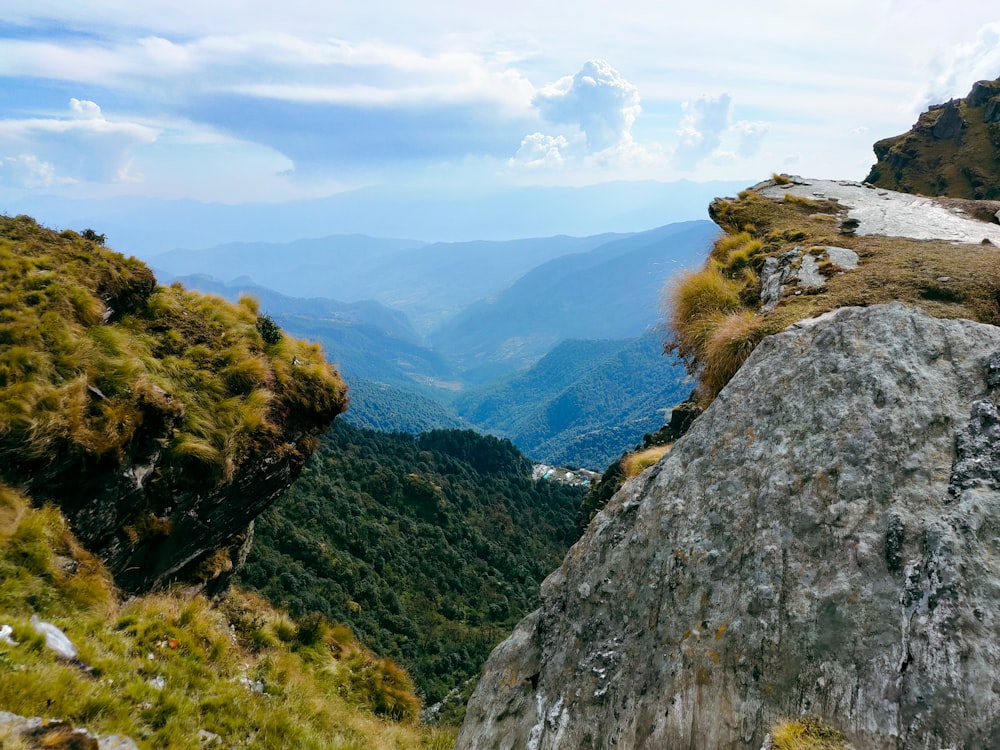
<point>822,542</point>
<point>889,213</point>
<point>951,150</point>
<point>160,421</point>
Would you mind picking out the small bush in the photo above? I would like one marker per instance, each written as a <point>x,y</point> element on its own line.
<point>268,329</point>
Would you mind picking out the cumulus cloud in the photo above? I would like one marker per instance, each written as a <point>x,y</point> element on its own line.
<point>542,151</point>
<point>707,125</point>
<point>701,129</point>
<point>967,63</point>
<point>82,146</point>
<point>597,99</point>
<point>751,134</point>
<point>28,171</point>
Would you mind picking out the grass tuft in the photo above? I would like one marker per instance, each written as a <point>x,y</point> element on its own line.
<point>807,734</point>
<point>635,463</point>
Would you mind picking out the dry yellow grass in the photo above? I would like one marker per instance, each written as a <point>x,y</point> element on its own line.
<point>806,734</point>
<point>635,463</point>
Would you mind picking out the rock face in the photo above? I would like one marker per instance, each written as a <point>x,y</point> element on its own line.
<point>161,422</point>
<point>823,541</point>
<point>950,150</point>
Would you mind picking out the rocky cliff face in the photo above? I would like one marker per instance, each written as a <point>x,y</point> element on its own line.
<point>824,541</point>
<point>951,150</point>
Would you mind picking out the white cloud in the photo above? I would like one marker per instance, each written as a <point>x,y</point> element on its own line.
<point>597,99</point>
<point>751,134</point>
<point>82,146</point>
<point>968,62</point>
<point>708,130</point>
<point>542,151</point>
<point>28,171</point>
<point>701,129</point>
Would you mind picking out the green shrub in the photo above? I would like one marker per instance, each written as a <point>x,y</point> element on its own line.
<point>268,329</point>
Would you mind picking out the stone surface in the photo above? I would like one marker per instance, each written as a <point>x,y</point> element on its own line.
<point>775,273</point>
<point>982,92</point>
<point>815,545</point>
<point>949,122</point>
<point>842,257</point>
<point>889,213</point>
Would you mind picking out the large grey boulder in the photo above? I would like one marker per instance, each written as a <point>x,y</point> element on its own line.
<point>824,541</point>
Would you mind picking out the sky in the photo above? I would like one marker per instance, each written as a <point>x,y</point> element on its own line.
<point>254,100</point>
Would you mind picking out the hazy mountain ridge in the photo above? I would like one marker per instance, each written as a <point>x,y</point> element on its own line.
<point>605,287</point>
<point>584,402</point>
<point>150,226</point>
<point>612,292</point>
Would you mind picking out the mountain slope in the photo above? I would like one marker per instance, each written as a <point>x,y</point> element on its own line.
<point>953,149</point>
<point>386,408</point>
<point>428,282</point>
<point>301,268</point>
<point>584,402</point>
<point>430,547</point>
<point>612,291</point>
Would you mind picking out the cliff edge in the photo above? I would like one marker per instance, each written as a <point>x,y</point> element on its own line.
<point>160,421</point>
<point>822,542</point>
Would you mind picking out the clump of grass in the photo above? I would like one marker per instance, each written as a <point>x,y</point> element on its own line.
<point>781,179</point>
<point>635,463</point>
<point>695,300</point>
<point>733,339</point>
<point>165,666</point>
<point>807,733</point>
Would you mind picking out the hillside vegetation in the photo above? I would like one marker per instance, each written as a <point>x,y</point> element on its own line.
<point>163,668</point>
<point>94,351</point>
<point>430,547</point>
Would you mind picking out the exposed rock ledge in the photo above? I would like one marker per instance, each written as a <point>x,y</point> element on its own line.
<point>825,540</point>
<point>889,213</point>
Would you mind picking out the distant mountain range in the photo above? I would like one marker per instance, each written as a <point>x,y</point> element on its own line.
<point>145,227</point>
<point>551,342</point>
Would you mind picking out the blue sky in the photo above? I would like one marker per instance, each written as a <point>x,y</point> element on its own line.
<point>228,101</point>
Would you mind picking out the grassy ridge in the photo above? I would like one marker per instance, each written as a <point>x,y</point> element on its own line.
<point>92,351</point>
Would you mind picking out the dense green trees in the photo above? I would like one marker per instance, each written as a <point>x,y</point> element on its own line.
<point>431,547</point>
